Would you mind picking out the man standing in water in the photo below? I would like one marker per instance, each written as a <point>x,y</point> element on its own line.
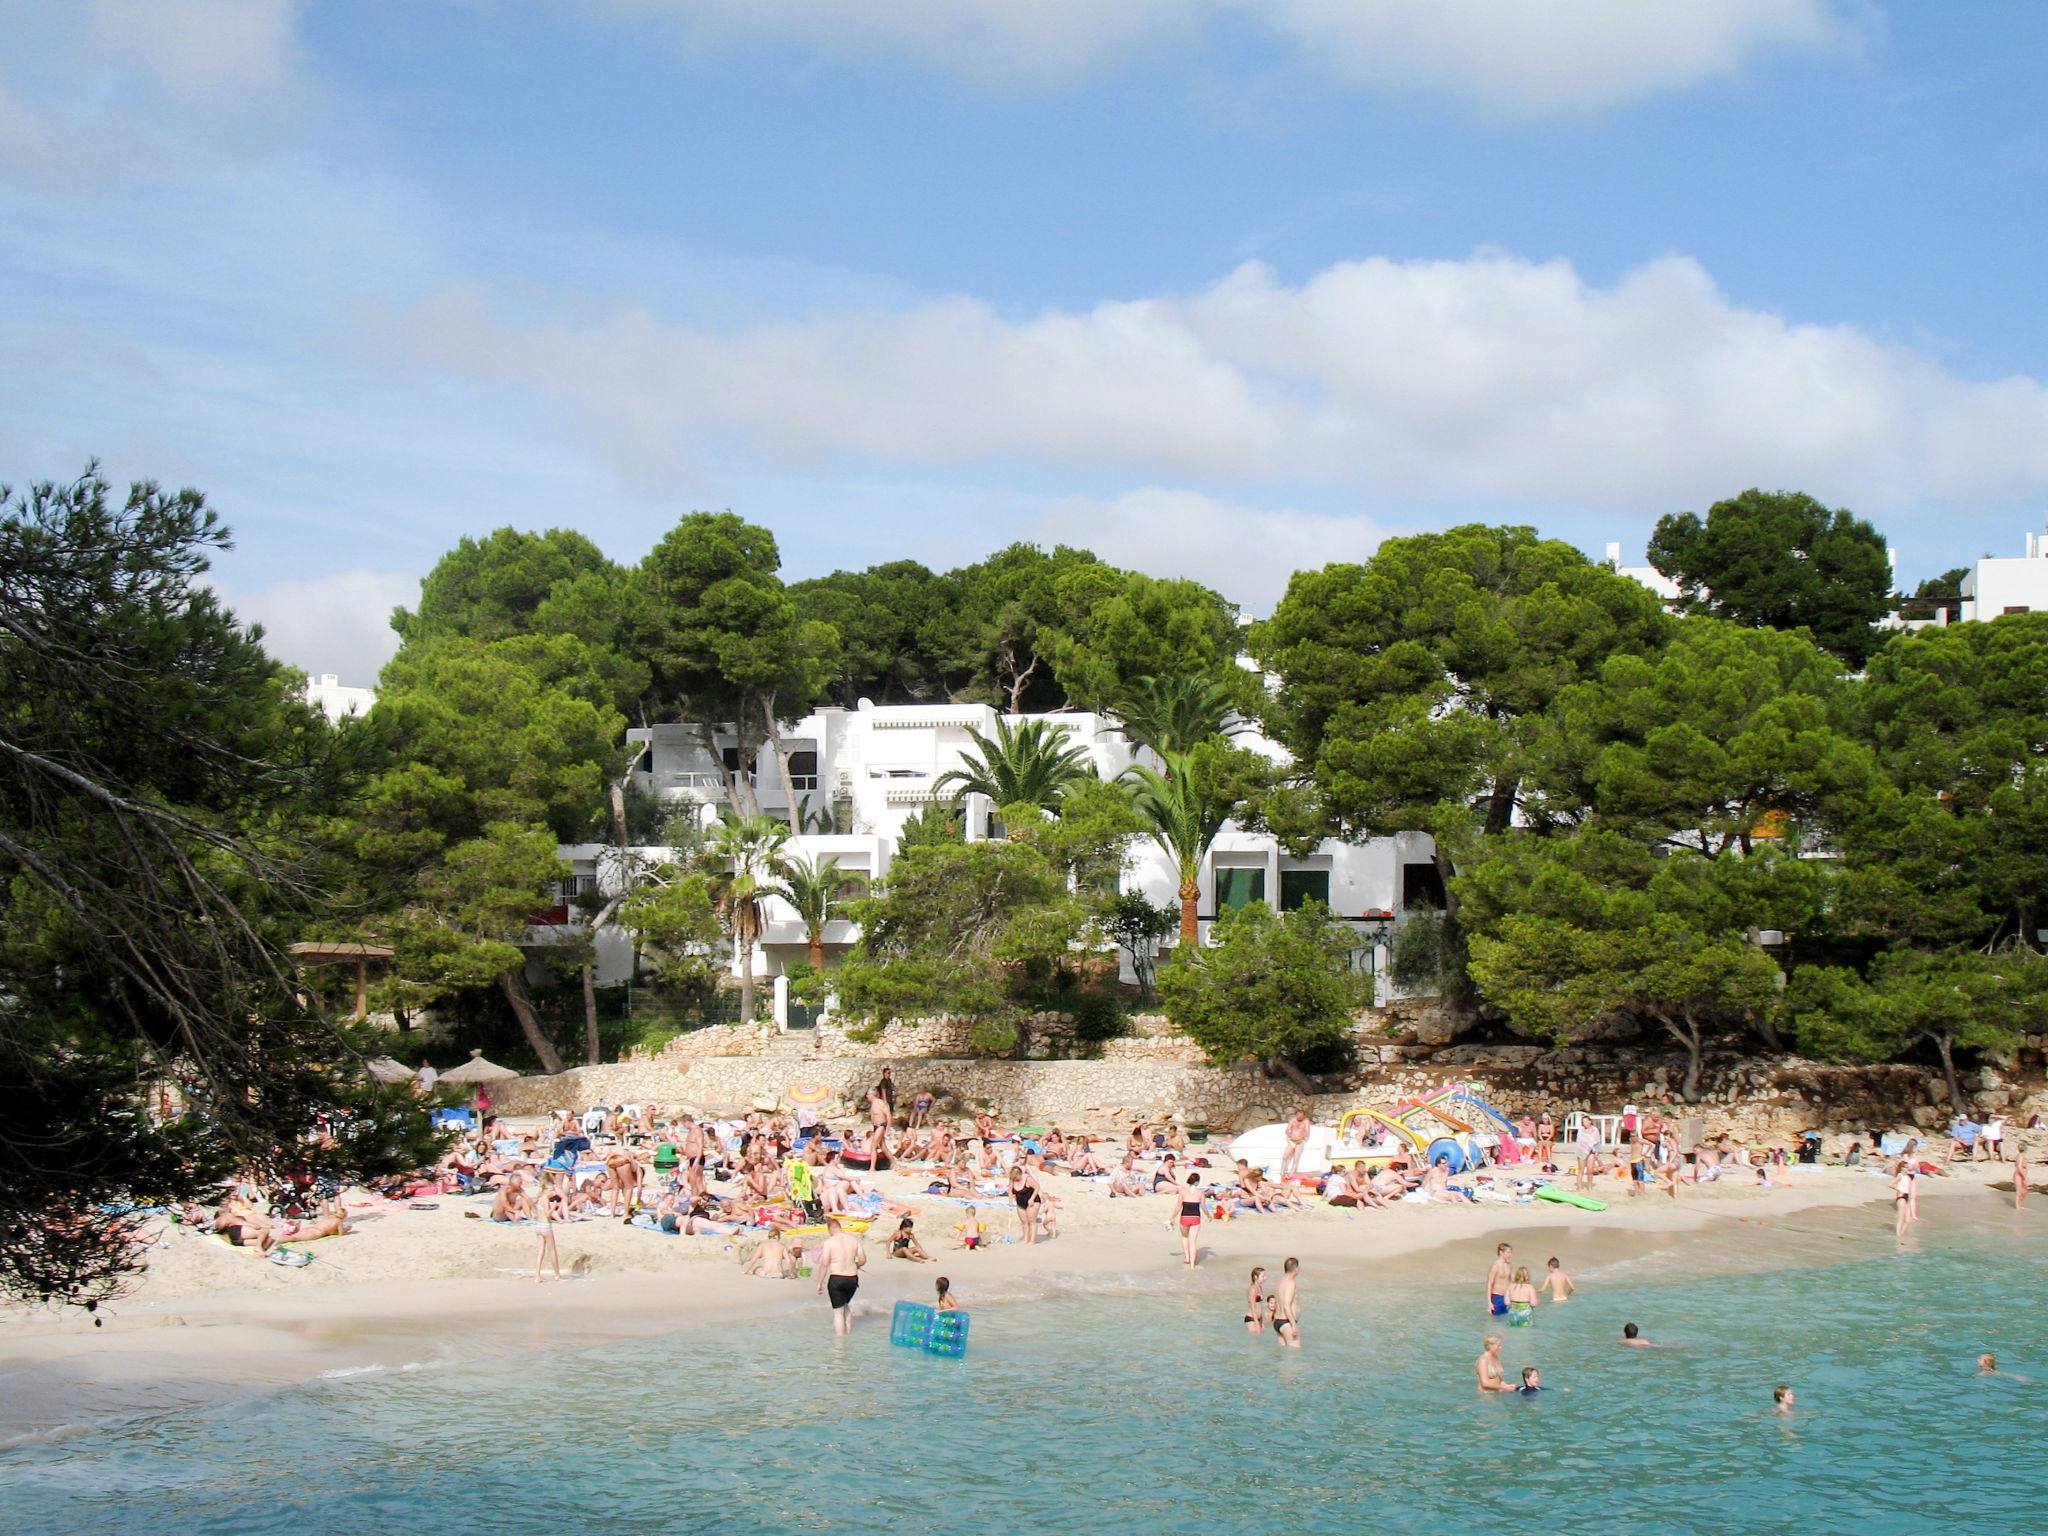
<point>1487,1367</point>
<point>839,1267</point>
<point>1297,1139</point>
<point>1497,1279</point>
<point>1287,1305</point>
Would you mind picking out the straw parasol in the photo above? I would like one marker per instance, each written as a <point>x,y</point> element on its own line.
<point>385,1070</point>
<point>477,1070</point>
<point>807,1093</point>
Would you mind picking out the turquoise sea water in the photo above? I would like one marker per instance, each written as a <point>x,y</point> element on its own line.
<point>1155,1412</point>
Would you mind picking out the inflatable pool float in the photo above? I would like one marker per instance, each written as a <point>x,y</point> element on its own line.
<point>1566,1197</point>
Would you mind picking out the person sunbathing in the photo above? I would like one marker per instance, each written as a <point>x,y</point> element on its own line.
<point>331,1222</point>
<point>1127,1180</point>
<point>1436,1186</point>
<point>1086,1165</point>
<point>1356,1189</point>
<point>903,1243</point>
<point>514,1201</point>
<point>772,1260</point>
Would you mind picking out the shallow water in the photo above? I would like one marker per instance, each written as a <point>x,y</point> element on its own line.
<point>1112,1413</point>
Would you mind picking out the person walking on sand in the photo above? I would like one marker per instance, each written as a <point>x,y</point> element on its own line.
<point>1189,1202</point>
<point>1902,1196</point>
<point>1287,1305</point>
<point>1993,1137</point>
<point>839,1266</point>
<point>1487,1367</point>
<point>1498,1279</point>
<point>2019,1178</point>
<point>1297,1140</point>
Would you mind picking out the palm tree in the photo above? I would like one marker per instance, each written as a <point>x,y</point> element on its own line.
<point>750,849</point>
<point>1024,764</point>
<point>813,889</point>
<point>1172,714</point>
<point>1185,818</point>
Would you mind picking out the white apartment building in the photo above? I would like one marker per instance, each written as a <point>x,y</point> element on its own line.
<point>1993,587</point>
<point>327,693</point>
<point>865,772</point>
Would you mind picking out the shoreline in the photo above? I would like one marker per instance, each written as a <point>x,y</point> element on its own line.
<point>424,1289</point>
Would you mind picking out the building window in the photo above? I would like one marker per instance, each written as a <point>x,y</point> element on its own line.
<point>1299,887</point>
<point>2020,608</point>
<point>731,758</point>
<point>1239,888</point>
<point>1422,885</point>
<point>803,770</point>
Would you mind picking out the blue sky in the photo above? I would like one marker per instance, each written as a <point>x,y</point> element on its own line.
<point>1216,287</point>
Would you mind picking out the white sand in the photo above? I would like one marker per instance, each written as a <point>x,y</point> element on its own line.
<point>413,1287</point>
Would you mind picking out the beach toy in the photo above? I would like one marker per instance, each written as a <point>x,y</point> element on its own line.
<point>920,1327</point>
<point>1566,1197</point>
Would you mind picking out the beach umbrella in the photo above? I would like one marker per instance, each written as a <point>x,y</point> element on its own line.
<point>807,1093</point>
<point>385,1070</point>
<point>477,1070</point>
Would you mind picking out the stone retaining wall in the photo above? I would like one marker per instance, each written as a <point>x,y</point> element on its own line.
<point>1091,1093</point>
<point>1751,1100</point>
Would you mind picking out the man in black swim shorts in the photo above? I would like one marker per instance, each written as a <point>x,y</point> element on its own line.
<point>839,1267</point>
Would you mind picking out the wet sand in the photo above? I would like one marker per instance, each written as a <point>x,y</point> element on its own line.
<point>411,1289</point>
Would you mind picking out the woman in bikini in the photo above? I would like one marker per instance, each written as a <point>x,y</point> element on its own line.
<point>1546,1139</point>
<point>1189,1200</point>
<point>1255,1302</point>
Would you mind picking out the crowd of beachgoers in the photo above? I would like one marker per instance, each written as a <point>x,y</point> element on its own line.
<point>796,1197</point>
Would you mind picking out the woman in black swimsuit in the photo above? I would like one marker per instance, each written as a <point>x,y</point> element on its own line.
<point>1027,1205</point>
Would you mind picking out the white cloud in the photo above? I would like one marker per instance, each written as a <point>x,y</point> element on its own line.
<point>1494,379</point>
<point>1516,58</point>
<point>339,622</point>
<point>1034,42</point>
<point>109,90</point>
<point>1245,552</point>
<point>198,47</point>
<point>1540,58</point>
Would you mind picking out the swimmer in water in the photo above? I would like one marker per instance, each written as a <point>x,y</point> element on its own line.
<point>1782,1399</point>
<point>1558,1283</point>
<point>1987,1365</point>
<point>1498,1278</point>
<point>1255,1302</point>
<point>1632,1337</point>
<point>1532,1380</point>
<point>1487,1366</point>
<point>1522,1299</point>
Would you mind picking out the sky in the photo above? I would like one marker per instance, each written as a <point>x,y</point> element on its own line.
<point>1216,288</point>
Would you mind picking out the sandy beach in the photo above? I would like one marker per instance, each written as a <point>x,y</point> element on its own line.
<point>411,1289</point>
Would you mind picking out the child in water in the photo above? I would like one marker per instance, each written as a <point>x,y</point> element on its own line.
<point>946,1303</point>
<point>1255,1302</point>
<point>1558,1283</point>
